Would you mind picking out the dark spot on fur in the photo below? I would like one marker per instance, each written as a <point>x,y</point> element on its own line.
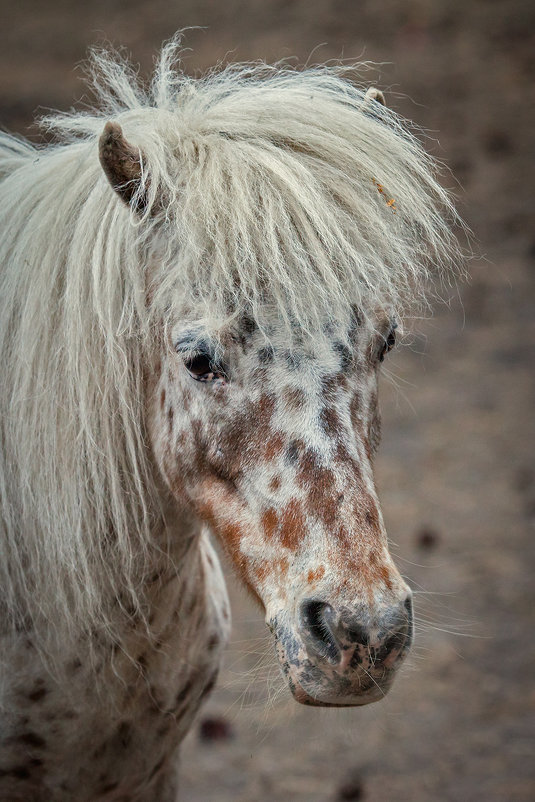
<point>157,768</point>
<point>155,705</point>
<point>248,325</point>
<point>259,376</point>
<point>32,740</point>
<point>345,354</point>
<point>164,728</point>
<point>184,693</point>
<point>273,447</point>
<point>330,421</point>
<point>311,473</point>
<point>314,575</point>
<point>372,517</point>
<point>265,355</point>
<point>155,576</point>
<point>23,624</point>
<point>292,525</point>
<point>264,408</point>
<point>249,436</point>
<point>99,751</point>
<point>293,360</point>
<point>270,522</point>
<point>192,604</point>
<point>37,694</point>
<point>109,787</point>
<point>142,663</point>
<point>293,451</point>
<point>186,398</point>
<point>275,484</point>
<point>162,398</point>
<point>124,733</point>
<point>351,462</point>
<point>294,398</point>
<point>212,643</point>
<point>374,436</point>
<point>18,772</point>
<point>22,772</point>
<point>210,686</point>
<point>356,321</point>
<point>331,385</point>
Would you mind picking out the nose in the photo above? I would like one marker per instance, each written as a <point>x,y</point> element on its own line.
<point>337,636</point>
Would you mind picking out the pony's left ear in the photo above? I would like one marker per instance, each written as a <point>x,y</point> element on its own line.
<point>123,166</point>
<point>375,94</point>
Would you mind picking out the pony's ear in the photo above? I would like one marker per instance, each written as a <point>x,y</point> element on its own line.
<point>375,94</point>
<point>123,166</point>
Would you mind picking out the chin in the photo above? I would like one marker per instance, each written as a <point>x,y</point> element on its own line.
<point>323,697</point>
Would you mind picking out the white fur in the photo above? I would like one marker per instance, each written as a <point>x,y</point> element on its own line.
<point>262,186</point>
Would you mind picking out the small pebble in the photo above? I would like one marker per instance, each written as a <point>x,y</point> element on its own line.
<point>497,143</point>
<point>351,791</point>
<point>524,478</point>
<point>427,538</point>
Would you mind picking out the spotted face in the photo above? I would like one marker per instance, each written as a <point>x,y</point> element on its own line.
<point>271,444</point>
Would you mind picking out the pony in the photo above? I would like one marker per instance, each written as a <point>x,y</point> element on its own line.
<point>199,281</point>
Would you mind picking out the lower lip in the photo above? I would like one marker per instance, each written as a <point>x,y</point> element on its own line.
<point>369,696</point>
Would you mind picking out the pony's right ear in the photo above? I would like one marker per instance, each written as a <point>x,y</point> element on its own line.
<point>123,166</point>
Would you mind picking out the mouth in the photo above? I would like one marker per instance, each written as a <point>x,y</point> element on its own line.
<point>357,677</point>
<point>373,694</point>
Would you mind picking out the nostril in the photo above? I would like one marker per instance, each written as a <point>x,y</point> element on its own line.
<point>397,634</point>
<point>395,642</point>
<point>316,619</point>
<point>313,617</point>
<point>357,633</point>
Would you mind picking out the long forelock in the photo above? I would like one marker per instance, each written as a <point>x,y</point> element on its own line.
<point>266,187</point>
<point>276,186</point>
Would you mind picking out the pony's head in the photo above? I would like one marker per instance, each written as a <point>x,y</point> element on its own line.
<point>263,408</point>
<point>233,297</point>
<point>271,442</point>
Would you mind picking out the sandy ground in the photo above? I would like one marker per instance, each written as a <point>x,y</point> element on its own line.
<point>456,468</point>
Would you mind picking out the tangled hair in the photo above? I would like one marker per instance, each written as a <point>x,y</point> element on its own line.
<point>262,187</point>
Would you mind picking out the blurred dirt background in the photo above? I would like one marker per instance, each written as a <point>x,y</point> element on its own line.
<point>456,469</point>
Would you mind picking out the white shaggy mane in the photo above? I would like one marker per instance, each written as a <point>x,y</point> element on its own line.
<point>265,186</point>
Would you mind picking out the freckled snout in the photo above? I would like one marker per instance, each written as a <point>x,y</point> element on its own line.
<point>347,639</point>
<point>340,656</point>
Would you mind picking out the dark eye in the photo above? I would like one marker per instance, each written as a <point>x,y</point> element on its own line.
<point>389,343</point>
<point>201,368</point>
